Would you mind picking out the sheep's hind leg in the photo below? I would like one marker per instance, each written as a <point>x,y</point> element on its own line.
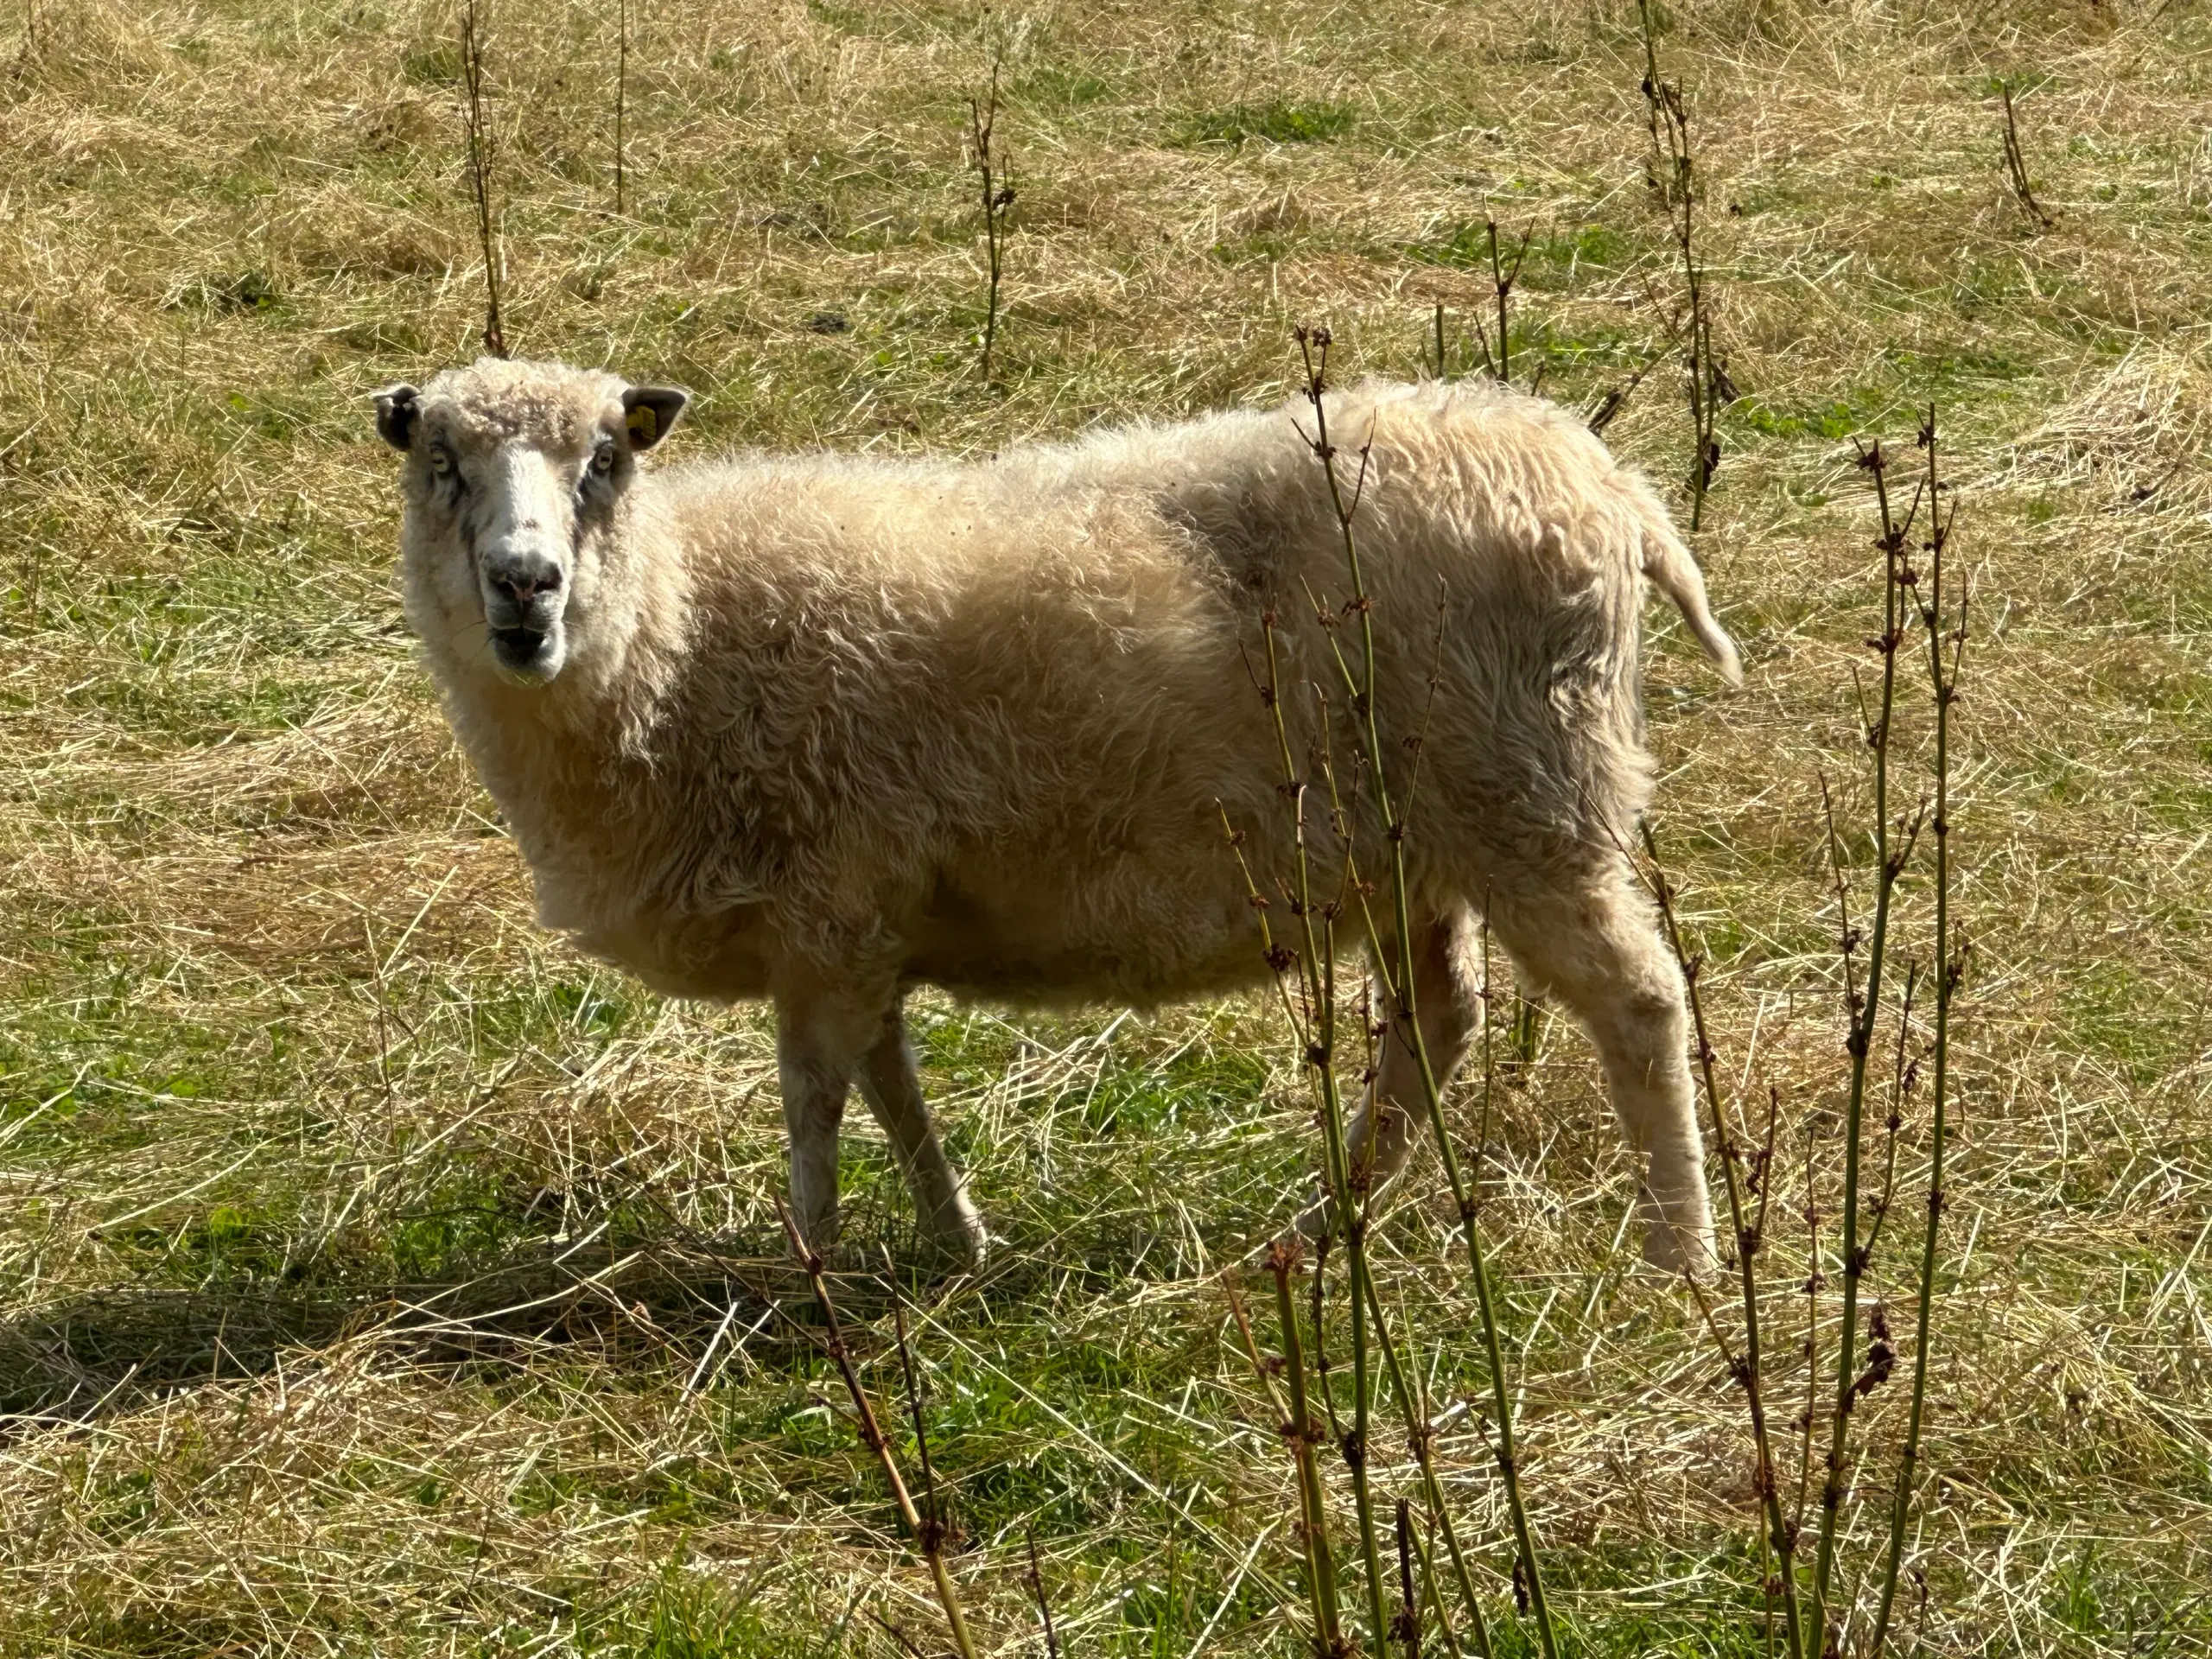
<point>893,1088</point>
<point>1580,929</point>
<point>822,1037</point>
<point>1385,1126</point>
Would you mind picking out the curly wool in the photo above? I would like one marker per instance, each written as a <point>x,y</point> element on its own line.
<point>835,725</point>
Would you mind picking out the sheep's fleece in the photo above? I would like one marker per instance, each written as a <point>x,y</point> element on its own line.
<point>824,727</point>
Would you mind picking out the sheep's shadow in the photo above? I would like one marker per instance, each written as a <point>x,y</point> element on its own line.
<point>671,1302</point>
<point>642,1292</point>
<point>106,1349</point>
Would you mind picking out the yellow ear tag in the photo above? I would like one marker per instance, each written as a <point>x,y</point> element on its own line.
<point>644,425</point>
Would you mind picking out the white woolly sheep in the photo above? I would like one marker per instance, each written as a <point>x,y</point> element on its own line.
<point>825,726</point>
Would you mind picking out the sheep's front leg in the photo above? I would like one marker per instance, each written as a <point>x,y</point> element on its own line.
<point>820,1040</point>
<point>893,1087</point>
<point>1447,997</point>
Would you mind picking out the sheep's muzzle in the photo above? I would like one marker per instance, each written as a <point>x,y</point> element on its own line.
<point>521,651</point>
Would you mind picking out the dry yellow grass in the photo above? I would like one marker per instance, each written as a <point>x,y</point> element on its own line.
<point>364,1257</point>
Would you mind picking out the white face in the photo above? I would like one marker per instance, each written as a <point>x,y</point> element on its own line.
<point>509,497</point>
<point>521,512</point>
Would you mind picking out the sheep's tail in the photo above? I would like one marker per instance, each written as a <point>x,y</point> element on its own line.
<point>1672,570</point>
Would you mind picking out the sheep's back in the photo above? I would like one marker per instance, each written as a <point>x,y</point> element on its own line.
<point>984,723</point>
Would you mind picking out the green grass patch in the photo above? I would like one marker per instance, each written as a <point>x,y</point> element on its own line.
<point>1279,122</point>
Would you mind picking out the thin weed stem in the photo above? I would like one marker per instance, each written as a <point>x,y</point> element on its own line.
<point>1037,1589</point>
<point>1668,117</point>
<point>1296,1428</point>
<point>1304,1435</point>
<point>1944,686</point>
<point>2016,165</point>
<point>997,195</point>
<point>1418,1436</point>
<point>1314,347</point>
<point>1859,1044</point>
<point>1501,278</point>
<point>479,170</point>
<point>1407,1628</point>
<point>928,1536</point>
<point>1747,1370</point>
<point>621,92</point>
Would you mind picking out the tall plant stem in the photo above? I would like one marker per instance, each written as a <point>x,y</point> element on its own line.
<point>1405,1019</point>
<point>1305,1435</point>
<point>1748,1370</point>
<point>927,1533</point>
<point>1044,1602</point>
<point>1501,278</point>
<point>1409,1623</point>
<point>1436,1602</point>
<point>1350,1192</point>
<point>1860,1043</point>
<point>1318,1029</point>
<point>1347,1189</point>
<point>621,90</point>
<point>1945,686</point>
<point>479,172</point>
<point>1669,115</point>
<point>1314,1540</point>
<point>997,198</point>
<point>1417,1432</point>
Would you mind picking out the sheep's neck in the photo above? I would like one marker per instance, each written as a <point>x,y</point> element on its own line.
<point>570,761</point>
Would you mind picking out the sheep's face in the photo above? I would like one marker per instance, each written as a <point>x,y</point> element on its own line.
<point>516,475</point>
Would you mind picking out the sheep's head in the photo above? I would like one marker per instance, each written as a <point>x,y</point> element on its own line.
<point>516,473</point>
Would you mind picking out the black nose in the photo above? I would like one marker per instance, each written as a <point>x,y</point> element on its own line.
<point>523,580</point>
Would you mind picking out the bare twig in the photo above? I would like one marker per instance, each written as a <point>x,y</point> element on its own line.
<point>1407,1627</point>
<point>1814,1284</point>
<point>2015,165</point>
<point>1298,1430</point>
<point>1669,116</point>
<point>479,170</point>
<point>1859,1040</point>
<point>1501,278</point>
<point>931,1519</point>
<point>1037,1589</point>
<point>1419,1436</point>
<point>621,91</point>
<point>1314,347</point>
<point>1316,1027</point>
<point>929,1537</point>
<point>907,1645</point>
<point>1616,397</point>
<point>1903,1076</point>
<point>1747,1370</point>
<point>1944,686</point>
<point>997,193</point>
<point>1304,1435</point>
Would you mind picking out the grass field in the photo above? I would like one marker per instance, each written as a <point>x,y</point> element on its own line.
<point>373,1270</point>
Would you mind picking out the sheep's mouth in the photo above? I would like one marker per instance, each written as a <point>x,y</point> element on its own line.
<point>521,650</point>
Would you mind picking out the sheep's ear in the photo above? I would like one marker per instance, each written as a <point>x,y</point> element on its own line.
<point>650,411</point>
<point>397,408</point>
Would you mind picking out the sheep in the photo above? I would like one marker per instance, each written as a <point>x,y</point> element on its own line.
<point>821,728</point>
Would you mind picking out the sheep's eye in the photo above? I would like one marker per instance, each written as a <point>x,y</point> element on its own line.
<point>603,460</point>
<point>441,462</point>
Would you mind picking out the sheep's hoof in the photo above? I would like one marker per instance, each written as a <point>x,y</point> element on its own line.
<point>963,1246</point>
<point>1681,1252</point>
<point>1314,1222</point>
